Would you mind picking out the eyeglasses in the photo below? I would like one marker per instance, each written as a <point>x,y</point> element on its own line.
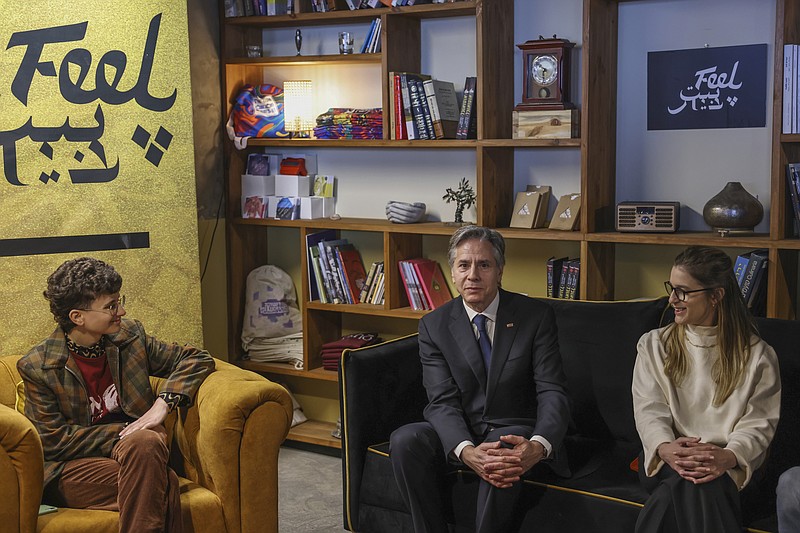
<point>680,294</point>
<point>112,308</point>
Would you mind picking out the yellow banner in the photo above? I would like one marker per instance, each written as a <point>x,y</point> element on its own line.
<point>96,137</point>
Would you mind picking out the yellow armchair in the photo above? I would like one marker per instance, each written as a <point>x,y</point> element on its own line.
<point>224,448</point>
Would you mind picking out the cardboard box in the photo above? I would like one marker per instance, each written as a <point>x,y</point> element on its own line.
<point>555,124</point>
<point>312,207</point>
<point>289,185</point>
<point>256,186</point>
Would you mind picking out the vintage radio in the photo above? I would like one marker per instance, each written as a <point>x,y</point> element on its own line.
<point>649,217</point>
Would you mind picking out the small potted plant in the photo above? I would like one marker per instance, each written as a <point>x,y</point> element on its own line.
<point>463,196</point>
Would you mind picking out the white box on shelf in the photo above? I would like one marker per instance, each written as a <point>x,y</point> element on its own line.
<point>256,186</point>
<point>272,206</point>
<point>289,185</point>
<point>312,207</point>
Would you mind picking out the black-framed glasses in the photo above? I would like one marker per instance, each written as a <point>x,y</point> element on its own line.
<point>112,308</point>
<point>680,294</point>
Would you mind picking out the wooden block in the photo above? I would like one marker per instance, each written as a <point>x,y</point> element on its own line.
<point>555,124</point>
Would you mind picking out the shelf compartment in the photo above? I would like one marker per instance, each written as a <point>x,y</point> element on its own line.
<point>704,238</point>
<point>542,234</point>
<point>354,224</point>
<point>286,369</point>
<point>304,60</point>
<point>315,432</point>
<point>367,309</point>
<point>359,15</point>
<point>448,144</point>
<point>531,143</point>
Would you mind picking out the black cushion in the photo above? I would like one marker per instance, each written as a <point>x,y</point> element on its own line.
<point>598,350</point>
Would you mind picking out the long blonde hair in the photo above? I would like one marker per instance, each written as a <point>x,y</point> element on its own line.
<point>713,268</point>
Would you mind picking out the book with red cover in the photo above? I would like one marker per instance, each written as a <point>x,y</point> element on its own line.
<point>353,270</point>
<point>431,279</point>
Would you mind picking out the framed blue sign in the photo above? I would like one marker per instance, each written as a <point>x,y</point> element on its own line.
<point>704,88</point>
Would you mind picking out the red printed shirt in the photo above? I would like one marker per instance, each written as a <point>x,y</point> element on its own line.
<point>100,387</point>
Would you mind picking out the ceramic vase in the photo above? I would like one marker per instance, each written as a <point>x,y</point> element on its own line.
<point>733,210</point>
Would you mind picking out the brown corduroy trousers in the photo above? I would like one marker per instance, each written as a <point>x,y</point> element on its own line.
<point>135,481</point>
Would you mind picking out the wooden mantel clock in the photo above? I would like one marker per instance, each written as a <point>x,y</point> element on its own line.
<point>545,64</point>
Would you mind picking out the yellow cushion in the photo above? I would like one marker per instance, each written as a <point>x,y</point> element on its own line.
<point>19,404</point>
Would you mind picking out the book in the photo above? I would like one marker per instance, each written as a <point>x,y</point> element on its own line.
<point>526,206</point>
<point>409,117</point>
<point>342,283</point>
<point>368,38</point>
<point>472,114</point>
<point>362,296</point>
<point>792,182</point>
<point>567,212</point>
<point>316,290</point>
<point>331,270</point>
<point>375,285</point>
<point>400,129</point>
<point>466,115</point>
<point>432,281</point>
<point>444,108</point>
<point>757,259</point>
<point>230,9</point>
<point>739,269</point>
<point>545,191</point>
<point>573,279</point>
<point>426,112</point>
<point>354,273</point>
<point>420,128</point>
<point>563,279</point>
<point>554,276</point>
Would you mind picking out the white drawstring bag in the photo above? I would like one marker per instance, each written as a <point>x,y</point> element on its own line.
<point>271,312</point>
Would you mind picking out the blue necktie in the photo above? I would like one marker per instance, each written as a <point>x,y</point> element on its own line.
<point>483,340</point>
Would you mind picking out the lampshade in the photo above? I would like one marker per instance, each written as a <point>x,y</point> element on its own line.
<point>297,106</point>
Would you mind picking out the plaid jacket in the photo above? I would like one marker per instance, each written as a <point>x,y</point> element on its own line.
<point>56,400</point>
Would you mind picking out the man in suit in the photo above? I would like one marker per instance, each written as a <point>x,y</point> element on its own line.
<point>496,393</point>
<point>88,394</point>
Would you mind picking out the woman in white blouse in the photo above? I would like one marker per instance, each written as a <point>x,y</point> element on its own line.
<point>706,398</point>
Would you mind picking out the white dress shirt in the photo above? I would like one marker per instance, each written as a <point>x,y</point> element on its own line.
<point>491,319</point>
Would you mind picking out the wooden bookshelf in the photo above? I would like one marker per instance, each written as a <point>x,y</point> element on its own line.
<point>494,152</point>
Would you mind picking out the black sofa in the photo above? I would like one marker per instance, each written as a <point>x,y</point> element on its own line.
<point>381,389</point>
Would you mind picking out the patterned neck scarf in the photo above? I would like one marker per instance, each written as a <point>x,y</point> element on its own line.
<point>91,352</point>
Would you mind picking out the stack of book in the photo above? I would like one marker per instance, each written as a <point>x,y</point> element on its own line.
<point>791,89</point>
<point>421,107</point>
<point>250,8</point>
<point>750,270</point>
<point>336,273</point>
<point>424,282</point>
<point>342,123</point>
<point>563,278</point>
<point>467,120</point>
<point>372,44</point>
<point>373,290</point>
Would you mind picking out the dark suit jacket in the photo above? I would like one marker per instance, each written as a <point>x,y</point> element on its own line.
<point>525,384</point>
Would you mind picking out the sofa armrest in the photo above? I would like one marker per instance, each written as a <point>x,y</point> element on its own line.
<point>21,471</point>
<point>380,389</point>
<point>230,441</point>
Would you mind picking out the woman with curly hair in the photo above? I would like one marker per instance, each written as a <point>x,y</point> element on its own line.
<point>706,398</point>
